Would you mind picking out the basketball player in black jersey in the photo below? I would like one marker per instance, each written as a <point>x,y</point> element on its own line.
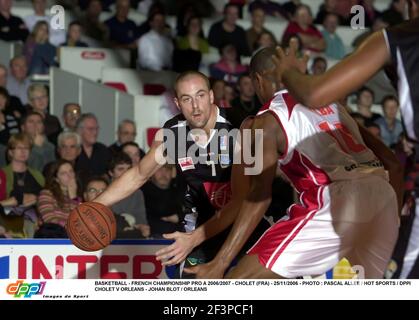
<point>201,126</point>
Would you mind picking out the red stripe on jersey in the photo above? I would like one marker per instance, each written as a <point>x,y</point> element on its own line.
<point>290,103</point>
<point>303,174</point>
<point>266,105</point>
<point>283,131</point>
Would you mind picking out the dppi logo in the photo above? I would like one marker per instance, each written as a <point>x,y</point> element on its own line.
<point>27,290</point>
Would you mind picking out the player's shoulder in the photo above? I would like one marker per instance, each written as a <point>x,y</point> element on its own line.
<point>176,121</point>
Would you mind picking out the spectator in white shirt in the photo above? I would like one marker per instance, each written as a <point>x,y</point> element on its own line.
<point>155,48</point>
<point>56,36</point>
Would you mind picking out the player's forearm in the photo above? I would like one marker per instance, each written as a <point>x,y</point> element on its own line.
<point>250,215</point>
<point>122,187</point>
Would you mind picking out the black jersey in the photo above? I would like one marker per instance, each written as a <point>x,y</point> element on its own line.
<point>403,44</point>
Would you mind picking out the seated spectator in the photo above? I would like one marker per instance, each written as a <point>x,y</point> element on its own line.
<point>94,187</point>
<point>133,150</point>
<point>303,26</point>
<point>328,7</point>
<point>365,100</point>
<point>90,21</point>
<point>145,27</point>
<point>127,131</point>
<point>390,127</point>
<point>73,36</point>
<point>56,36</point>
<point>39,53</point>
<point>8,123</point>
<point>43,151</point>
<point>14,105</point>
<point>18,81</point>
<point>257,28</point>
<point>228,32</point>
<point>133,205</point>
<point>59,196</point>
<point>23,185</point>
<point>264,40</point>
<point>246,104</point>
<point>155,48</point>
<point>122,31</point>
<point>71,113</point>
<point>227,68</point>
<point>334,44</point>
<point>186,12</point>
<point>272,8</point>
<point>38,102</point>
<point>293,37</point>
<point>95,156</point>
<point>190,47</point>
<point>12,28</point>
<point>319,66</point>
<point>163,206</point>
<point>289,7</point>
<point>50,231</point>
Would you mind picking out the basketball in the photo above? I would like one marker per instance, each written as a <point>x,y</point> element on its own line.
<point>91,226</point>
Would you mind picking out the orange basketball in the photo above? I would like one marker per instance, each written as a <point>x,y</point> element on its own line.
<point>91,226</point>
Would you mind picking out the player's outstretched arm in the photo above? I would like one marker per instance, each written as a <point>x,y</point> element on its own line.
<point>390,162</point>
<point>135,177</point>
<point>186,242</point>
<point>253,207</point>
<point>343,78</point>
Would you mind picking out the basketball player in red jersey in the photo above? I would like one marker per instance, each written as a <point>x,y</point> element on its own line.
<point>347,207</point>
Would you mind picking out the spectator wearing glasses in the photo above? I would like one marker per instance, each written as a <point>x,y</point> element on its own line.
<point>127,131</point>
<point>38,102</point>
<point>94,156</point>
<point>71,113</point>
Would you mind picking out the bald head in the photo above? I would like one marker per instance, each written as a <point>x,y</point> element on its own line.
<point>185,76</point>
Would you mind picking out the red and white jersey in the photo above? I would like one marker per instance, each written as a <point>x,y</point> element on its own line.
<point>322,145</point>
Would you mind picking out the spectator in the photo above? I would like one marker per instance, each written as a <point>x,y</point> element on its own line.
<point>94,156</point>
<point>8,123</point>
<point>378,25</point>
<point>71,113</point>
<point>59,196</point>
<point>293,37</point>
<point>319,66</point>
<point>191,47</point>
<point>14,107</point>
<point>127,131</point>
<point>69,146</point>
<point>245,104</point>
<point>94,187</point>
<point>228,32</point>
<point>395,13</point>
<point>364,104</point>
<point>133,205</point>
<point>328,7</point>
<point>163,206</point>
<point>390,127</point>
<point>122,31</point>
<point>43,151</point>
<point>56,36</point>
<point>18,81</point>
<point>303,26</point>
<point>12,28</point>
<point>23,185</point>
<point>90,21</point>
<point>227,68</point>
<point>334,44</point>
<point>229,95</point>
<point>133,150</point>
<point>38,102</point>
<point>257,28</point>
<point>145,27</point>
<point>264,40</point>
<point>39,53</point>
<point>185,14</point>
<point>272,8</point>
<point>155,48</point>
<point>74,35</point>
<point>290,7</point>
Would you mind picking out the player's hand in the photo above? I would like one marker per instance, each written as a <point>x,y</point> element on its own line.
<point>210,270</point>
<point>285,61</point>
<point>178,250</point>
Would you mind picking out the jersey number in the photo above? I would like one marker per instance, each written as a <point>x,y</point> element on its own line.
<point>343,137</point>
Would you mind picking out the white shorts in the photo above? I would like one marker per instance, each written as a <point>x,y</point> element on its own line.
<point>356,219</point>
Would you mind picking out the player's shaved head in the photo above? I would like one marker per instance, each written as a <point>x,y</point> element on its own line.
<point>188,75</point>
<point>261,62</point>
